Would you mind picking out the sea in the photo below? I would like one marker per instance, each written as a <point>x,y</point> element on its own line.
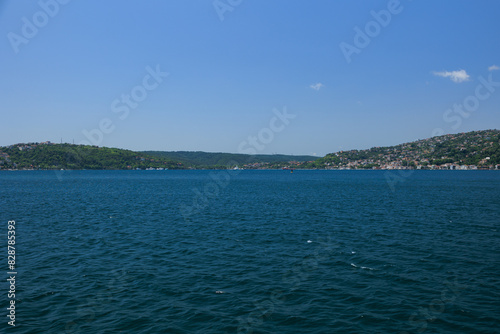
<point>250,251</point>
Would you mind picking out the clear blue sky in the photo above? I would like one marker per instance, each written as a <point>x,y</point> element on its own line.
<point>230,65</point>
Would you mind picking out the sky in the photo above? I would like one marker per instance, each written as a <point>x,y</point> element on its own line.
<point>247,76</point>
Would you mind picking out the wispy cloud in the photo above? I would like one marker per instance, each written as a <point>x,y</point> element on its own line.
<point>493,68</point>
<point>455,76</point>
<point>317,86</point>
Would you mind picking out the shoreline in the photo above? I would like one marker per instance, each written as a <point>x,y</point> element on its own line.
<point>256,169</point>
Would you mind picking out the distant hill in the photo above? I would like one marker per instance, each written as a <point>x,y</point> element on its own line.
<point>470,150</point>
<point>66,156</point>
<point>454,151</point>
<point>205,159</point>
<point>48,155</point>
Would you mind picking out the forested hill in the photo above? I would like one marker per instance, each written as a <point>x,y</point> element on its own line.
<point>468,150</point>
<point>471,150</point>
<point>48,155</point>
<point>66,156</point>
<point>223,160</point>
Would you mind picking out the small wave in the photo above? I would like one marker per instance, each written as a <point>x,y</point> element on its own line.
<point>355,266</point>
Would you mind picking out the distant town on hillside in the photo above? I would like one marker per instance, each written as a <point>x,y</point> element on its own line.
<point>463,151</point>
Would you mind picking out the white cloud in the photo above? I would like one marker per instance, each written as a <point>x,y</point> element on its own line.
<point>493,68</point>
<point>317,86</point>
<point>455,76</point>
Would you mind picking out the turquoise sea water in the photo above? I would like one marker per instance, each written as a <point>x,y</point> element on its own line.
<point>253,251</point>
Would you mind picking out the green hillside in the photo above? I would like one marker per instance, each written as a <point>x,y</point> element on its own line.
<point>67,156</point>
<point>476,148</point>
<point>471,150</point>
<point>224,160</point>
